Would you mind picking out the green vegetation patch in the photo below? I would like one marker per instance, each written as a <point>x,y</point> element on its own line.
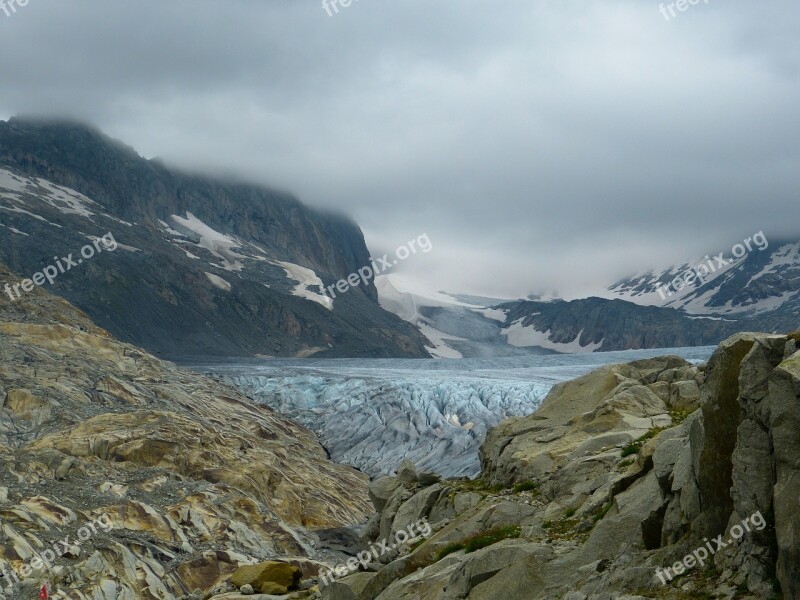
<point>679,416</point>
<point>525,486</point>
<point>636,446</point>
<point>480,485</point>
<point>601,512</point>
<point>562,530</point>
<point>491,537</point>
<point>449,549</point>
<point>480,540</point>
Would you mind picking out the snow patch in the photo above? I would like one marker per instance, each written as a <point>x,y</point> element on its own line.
<point>218,244</point>
<point>306,278</point>
<point>17,209</point>
<point>404,297</point>
<point>14,230</point>
<point>523,337</point>
<point>119,220</point>
<point>440,348</point>
<point>218,282</point>
<point>787,255</point>
<point>120,246</point>
<point>170,230</point>
<point>65,200</point>
<point>189,254</point>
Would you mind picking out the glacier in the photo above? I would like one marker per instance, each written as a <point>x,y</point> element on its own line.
<point>373,413</point>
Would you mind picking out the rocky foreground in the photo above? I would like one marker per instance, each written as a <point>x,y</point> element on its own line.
<point>618,476</point>
<point>123,477</point>
<point>194,480</point>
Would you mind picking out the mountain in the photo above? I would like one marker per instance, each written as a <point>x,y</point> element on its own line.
<point>149,481</point>
<point>194,265</point>
<point>765,280</point>
<point>759,291</point>
<point>697,303</point>
<point>125,477</point>
<point>598,324</point>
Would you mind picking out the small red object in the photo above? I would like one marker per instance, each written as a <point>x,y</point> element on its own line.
<point>43,595</point>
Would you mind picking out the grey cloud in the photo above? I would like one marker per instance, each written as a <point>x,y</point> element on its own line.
<point>549,145</point>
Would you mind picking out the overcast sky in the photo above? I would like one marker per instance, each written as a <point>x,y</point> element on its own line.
<point>541,145</point>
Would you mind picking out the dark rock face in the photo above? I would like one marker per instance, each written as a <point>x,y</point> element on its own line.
<point>784,422</point>
<point>721,418</point>
<point>623,325</point>
<point>165,288</point>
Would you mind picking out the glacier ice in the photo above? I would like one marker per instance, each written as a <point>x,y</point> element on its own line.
<point>373,424</point>
<point>373,413</point>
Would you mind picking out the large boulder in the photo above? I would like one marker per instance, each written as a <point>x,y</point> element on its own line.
<point>721,418</point>
<point>381,491</point>
<point>684,395</point>
<point>270,577</point>
<point>416,508</point>
<point>581,426</point>
<point>347,588</point>
<point>784,395</point>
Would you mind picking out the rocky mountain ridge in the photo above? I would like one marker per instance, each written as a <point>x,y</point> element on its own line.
<point>760,291</point>
<point>619,476</point>
<point>691,304</point>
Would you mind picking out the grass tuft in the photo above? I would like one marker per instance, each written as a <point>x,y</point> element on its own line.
<point>635,447</point>
<point>480,540</point>
<point>525,486</point>
<point>601,512</point>
<point>491,537</point>
<point>449,549</point>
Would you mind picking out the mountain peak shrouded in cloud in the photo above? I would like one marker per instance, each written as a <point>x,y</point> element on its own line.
<point>542,146</point>
<point>199,266</point>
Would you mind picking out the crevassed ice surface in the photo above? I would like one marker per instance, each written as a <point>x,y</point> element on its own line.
<point>373,413</point>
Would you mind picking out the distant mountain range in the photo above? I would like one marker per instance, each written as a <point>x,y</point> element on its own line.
<point>203,267</point>
<point>760,291</point>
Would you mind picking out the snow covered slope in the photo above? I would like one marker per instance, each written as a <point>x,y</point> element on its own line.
<point>759,291</point>
<point>524,336</point>
<point>457,326</point>
<point>759,282</point>
<point>410,302</point>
